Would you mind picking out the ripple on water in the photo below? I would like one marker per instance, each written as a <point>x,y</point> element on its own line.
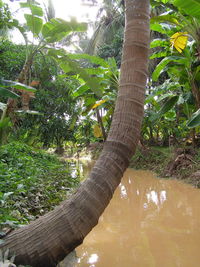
<point>150,222</point>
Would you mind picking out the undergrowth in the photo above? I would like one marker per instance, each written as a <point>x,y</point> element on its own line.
<point>32,182</point>
<point>180,163</point>
<point>154,159</point>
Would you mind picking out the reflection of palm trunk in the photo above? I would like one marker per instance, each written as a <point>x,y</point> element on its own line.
<point>100,122</point>
<point>51,237</point>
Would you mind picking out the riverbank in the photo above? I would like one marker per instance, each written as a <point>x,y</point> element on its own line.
<point>169,162</point>
<point>32,182</point>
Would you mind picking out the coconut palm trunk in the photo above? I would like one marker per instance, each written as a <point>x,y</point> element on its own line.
<point>50,238</point>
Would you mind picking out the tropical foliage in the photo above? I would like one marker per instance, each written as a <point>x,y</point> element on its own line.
<point>25,189</point>
<point>53,98</point>
<point>89,84</point>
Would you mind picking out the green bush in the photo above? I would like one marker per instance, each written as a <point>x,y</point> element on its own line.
<point>32,182</point>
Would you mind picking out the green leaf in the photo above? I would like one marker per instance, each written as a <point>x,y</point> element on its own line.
<point>169,104</point>
<point>93,59</point>
<point>35,9</point>
<point>161,66</point>
<point>69,65</point>
<point>5,123</point>
<point>161,1</point>
<point>56,52</point>
<point>89,101</point>
<point>19,86</point>
<point>158,54</point>
<point>159,42</point>
<point>34,23</point>
<point>81,90</point>
<point>95,71</point>
<point>73,123</point>
<point>164,29</point>
<point>165,18</point>
<point>195,120</point>
<point>112,63</point>
<point>92,82</point>
<point>65,66</point>
<point>190,7</point>
<point>7,93</point>
<point>164,96</point>
<point>56,29</point>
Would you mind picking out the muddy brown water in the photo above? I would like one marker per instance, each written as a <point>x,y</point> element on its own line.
<point>149,222</point>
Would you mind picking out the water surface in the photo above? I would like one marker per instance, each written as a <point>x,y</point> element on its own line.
<point>149,222</point>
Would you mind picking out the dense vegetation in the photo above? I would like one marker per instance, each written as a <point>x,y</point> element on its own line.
<point>73,95</point>
<point>52,98</point>
<point>32,182</point>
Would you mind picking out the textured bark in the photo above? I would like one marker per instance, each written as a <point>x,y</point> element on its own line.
<point>50,238</point>
<point>24,78</point>
<point>25,96</point>
<point>196,93</point>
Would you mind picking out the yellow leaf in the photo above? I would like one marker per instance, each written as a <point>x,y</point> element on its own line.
<point>97,131</point>
<point>179,40</point>
<point>99,103</point>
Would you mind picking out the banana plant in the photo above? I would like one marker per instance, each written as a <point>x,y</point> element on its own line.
<point>44,35</point>
<point>98,80</point>
<point>190,7</point>
<point>6,91</point>
<point>182,18</point>
<point>183,78</point>
<point>179,51</point>
<point>174,96</point>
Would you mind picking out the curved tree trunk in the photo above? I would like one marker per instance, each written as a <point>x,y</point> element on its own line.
<point>50,238</point>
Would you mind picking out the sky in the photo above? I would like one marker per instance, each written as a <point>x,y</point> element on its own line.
<point>75,8</point>
<point>64,9</point>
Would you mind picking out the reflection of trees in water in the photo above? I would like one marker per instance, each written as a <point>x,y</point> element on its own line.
<point>153,221</point>
<point>169,216</point>
<point>80,169</point>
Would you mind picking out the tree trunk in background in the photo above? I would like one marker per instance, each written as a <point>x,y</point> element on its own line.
<point>50,238</point>
<point>25,96</point>
<point>100,122</point>
<point>24,78</point>
<point>195,93</point>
